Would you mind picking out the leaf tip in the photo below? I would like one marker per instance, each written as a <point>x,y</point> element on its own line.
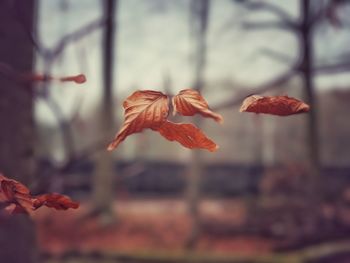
<point>75,205</point>
<point>304,108</point>
<point>80,79</point>
<point>111,147</point>
<point>220,119</point>
<point>215,148</point>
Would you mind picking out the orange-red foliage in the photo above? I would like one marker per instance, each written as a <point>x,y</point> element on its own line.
<point>275,105</point>
<point>150,109</point>
<point>189,102</point>
<point>187,134</point>
<point>57,201</point>
<point>18,198</point>
<point>143,109</point>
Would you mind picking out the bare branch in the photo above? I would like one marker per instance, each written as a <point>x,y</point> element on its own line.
<point>30,77</point>
<point>266,25</point>
<point>76,35</point>
<point>65,40</point>
<point>332,68</point>
<point>272,84</point>
<point>319,15</point>
<point>328,12</point>
<point>278,56</point>
<point>266,6</point>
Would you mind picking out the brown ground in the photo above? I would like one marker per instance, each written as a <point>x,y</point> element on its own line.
<point>144,225</point>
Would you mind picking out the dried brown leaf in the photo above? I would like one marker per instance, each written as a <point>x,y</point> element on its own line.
<point>18,198</point>
<point>275,105</point>
<point>143,109</point>
<point>190,102</point>
<point>57,201</point>
<point>186,134</point>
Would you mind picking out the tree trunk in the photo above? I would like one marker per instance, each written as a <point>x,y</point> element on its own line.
<point>315,193</point>
<point>306,47</point>
<point>199,15</point>
<point>17,233</point>
<point>105,170</point>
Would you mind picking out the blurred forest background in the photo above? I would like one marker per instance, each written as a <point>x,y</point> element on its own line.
<point>277,190</point>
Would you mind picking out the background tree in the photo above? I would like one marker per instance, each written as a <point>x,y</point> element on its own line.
<point>313,17</point>
<point>199,15</point>
<point>105,170</point>
<point>17,235</point>
<point>313,14</point>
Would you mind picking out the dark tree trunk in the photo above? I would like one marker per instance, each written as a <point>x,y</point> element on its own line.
<point>104,183</point>
<point>17,233</point>
<point>306,47</point>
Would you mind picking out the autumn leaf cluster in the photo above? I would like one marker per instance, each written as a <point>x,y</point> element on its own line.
<point>149,109</point>
<point>16,198</point>
<point>146,109</point>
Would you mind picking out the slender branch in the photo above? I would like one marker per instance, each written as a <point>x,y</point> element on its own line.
<point>65,40</point>
<point>278,56</point>
<point>332,68</point>
<point>272,84</point>
<point>167,83</point>
<point>319,14</point>
<point>266,6</point>
<point>328,12</point>
<point>76,35</point>
<point>29,77</point>
<point>266,25</point>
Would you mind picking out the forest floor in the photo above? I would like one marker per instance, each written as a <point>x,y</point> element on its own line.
<point>143,225</point>
<point>155,230</point>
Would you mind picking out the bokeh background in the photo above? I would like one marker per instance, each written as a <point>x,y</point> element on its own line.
<point>278,188</point>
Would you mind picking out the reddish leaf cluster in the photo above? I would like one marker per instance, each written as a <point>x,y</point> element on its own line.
<point>18,199</point>
<point>150,109</point>
<point>275,105</point>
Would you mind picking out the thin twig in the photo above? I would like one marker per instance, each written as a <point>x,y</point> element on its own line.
<point>278,56</point>
<point>268,25</point>
<point>76,36</point>
<point>266,6</point>
<point>272,84</point>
